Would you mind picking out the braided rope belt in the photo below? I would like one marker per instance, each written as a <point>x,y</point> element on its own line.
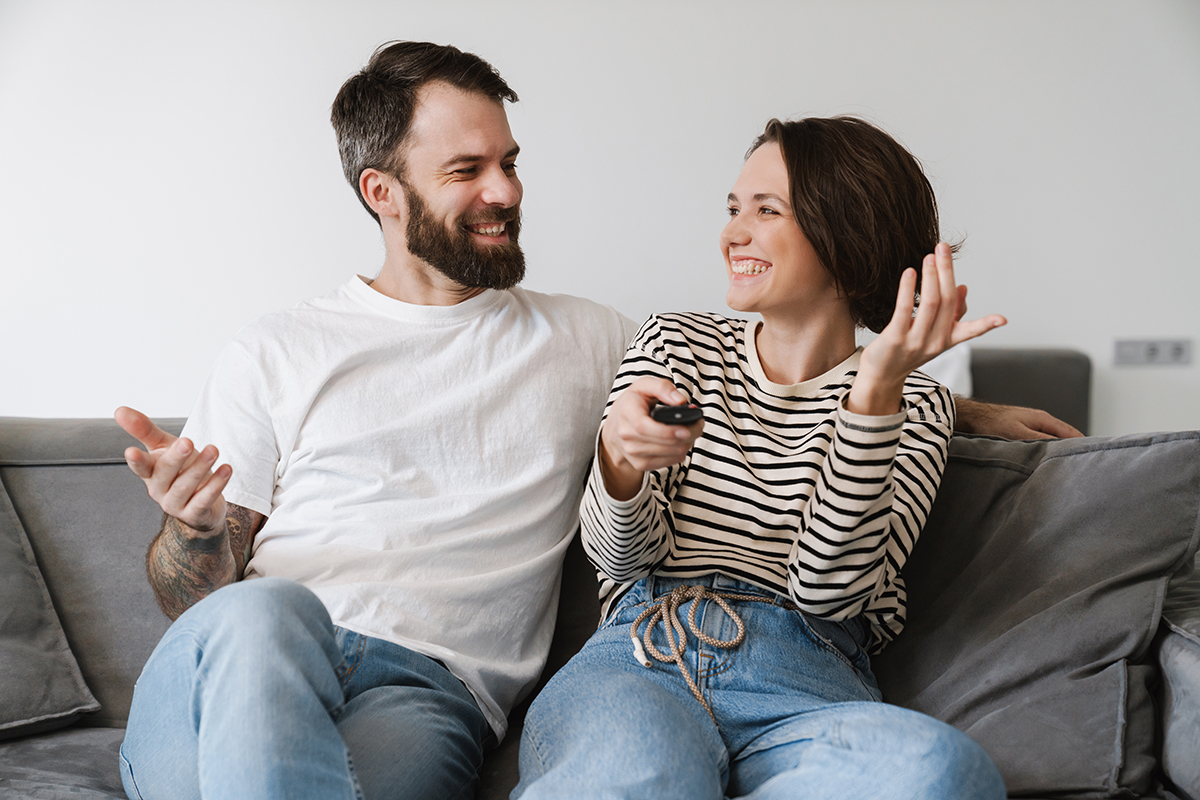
<point>666,610</point>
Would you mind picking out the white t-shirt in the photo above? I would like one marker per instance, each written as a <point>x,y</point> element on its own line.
<point>420,466</point>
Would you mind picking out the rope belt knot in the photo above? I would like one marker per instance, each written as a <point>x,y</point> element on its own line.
<point>666,610</point>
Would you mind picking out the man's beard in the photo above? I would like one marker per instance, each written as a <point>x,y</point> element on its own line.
<point>451,252</point>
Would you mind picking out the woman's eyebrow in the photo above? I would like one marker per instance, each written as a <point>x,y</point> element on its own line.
<point>760,197</point>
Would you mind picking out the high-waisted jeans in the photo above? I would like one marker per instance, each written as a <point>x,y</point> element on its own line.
<point>254,693</point>
<point>795,713</point>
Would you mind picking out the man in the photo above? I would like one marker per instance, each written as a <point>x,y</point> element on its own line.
<point>407,459</point>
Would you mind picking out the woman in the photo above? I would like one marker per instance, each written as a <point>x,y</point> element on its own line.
<point>780,533</point>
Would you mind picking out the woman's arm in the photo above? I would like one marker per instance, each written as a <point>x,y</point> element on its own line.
<point>638,464</point>
<point>872,497</point>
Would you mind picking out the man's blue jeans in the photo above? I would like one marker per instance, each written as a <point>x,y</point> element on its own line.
<point>797,715</point>
<point>253,693</point>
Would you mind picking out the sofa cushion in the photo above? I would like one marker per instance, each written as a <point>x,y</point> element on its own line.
<point>73,764</point>
<point>89,521</point>
<point>1179,659</point>
<point>42,687</point>
<point>1034,596</point>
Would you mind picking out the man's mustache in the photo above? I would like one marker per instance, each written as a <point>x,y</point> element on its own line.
<point>501,216</point>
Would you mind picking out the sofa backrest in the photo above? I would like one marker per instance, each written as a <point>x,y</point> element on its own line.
<point>89,521</point>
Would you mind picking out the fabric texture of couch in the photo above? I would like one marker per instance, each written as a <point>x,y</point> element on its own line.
<point>1054,612</point>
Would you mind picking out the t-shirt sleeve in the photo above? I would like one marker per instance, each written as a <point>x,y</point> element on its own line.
<point>233,413</point>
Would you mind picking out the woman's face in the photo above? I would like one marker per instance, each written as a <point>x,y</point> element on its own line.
<point>771,266</point>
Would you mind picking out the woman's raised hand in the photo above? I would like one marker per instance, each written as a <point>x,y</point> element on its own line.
<point>910,340</point>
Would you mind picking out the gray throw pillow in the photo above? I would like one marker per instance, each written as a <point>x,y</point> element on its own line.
<point>41,687</point>
<point>1179,658</point>
<point>1034,596</point>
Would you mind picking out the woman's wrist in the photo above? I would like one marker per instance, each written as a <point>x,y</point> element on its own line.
<point>621,479</point>
<point>875,398</point>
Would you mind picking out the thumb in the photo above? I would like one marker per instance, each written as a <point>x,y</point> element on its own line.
<point>658,390</point>
<point>139,426</point>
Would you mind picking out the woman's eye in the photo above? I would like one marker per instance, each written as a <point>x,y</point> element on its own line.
<point>732,211</point>
<point>765,210</point>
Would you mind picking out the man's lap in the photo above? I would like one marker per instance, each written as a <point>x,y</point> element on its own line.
<point>263,655</point>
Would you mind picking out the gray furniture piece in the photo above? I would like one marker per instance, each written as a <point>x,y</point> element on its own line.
<point>1053,612</point>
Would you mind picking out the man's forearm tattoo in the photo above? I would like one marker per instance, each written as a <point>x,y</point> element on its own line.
<point>184,569</point>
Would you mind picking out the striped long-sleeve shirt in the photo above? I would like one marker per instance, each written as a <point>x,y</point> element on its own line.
<point>786,489</point>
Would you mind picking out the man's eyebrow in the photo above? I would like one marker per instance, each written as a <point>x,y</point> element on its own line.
<point>474,158</point>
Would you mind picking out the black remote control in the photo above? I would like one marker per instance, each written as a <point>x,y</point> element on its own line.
<point>676,415</point>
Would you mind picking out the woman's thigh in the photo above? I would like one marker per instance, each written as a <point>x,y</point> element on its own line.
<point>605,726</point>
<point>866,749</point>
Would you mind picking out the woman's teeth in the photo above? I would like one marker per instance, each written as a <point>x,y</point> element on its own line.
<point>749,267</point>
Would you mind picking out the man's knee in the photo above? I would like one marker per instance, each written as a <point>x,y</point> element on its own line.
<point>258,609</point>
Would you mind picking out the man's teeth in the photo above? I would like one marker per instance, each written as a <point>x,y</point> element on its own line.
<point>749,267</point>
<point>489,230</point>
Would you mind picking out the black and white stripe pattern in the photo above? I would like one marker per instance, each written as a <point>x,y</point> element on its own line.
<point>785,489</point>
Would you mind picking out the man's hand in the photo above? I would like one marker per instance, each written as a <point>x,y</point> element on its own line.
<point>177,476</point>
<point>632,443</point>
<point>1009,422</point>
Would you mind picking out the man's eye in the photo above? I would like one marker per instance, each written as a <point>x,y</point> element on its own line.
<point>510,167</point>
<point>465,171</point>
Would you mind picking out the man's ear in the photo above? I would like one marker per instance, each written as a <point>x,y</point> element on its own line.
<point>382,193</point>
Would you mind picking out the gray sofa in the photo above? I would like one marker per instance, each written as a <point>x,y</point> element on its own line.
<point>1054,615</point>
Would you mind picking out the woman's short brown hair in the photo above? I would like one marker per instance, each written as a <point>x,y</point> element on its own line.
<point>864,204</point>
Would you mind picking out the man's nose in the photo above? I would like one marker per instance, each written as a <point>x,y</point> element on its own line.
<point>502,189</point>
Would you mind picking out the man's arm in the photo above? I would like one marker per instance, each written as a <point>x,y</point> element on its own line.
<point>1009,422</point>
<point>204,542</point>
<point>185,565</point>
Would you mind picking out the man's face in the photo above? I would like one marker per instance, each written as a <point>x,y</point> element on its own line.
<point>461,189</point>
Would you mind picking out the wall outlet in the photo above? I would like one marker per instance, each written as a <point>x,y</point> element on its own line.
<point>1156,352</point>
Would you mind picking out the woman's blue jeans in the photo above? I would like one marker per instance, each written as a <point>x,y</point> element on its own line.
<point>796,709</point>
<point>253,693</point>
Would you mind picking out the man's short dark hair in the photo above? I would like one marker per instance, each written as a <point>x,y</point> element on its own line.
<point>864,204</point>
<point>373,112</point>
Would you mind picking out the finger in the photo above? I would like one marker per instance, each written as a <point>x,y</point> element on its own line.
<point>947,291</point>
<point>207,495</point>
<point>962,303</point>
<point>964,331</point>
<point>905,298</point>
<point>139,426</point>
<point>657,390</point>
<point>1054,427</point>
<point>141,462</point>
<point>168,464</point>
<point>930,296</point>
<point>191,476</point>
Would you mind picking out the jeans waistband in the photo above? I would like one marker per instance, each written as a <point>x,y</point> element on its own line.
<point>658,586</point>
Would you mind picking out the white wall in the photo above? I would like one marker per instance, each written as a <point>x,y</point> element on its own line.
<point>167,170</point>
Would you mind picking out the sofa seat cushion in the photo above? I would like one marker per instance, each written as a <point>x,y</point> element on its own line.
<point>42,687</point>
<point>1034,596</point>
<point>76,763</point>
